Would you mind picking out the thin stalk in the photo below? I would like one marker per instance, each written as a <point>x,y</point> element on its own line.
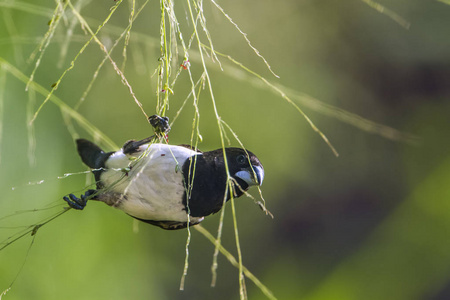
<point>234,262</point>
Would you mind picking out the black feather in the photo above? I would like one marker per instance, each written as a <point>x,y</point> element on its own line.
<point>168,225</point>
<point>207,189</point>
<point>93,156</point>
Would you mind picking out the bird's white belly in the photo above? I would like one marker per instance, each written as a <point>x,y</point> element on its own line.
<point>154,186</point>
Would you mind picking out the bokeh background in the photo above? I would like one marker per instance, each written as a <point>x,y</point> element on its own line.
<point>373,223</point>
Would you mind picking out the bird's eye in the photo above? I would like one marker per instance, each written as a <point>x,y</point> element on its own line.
<point>241,159</point>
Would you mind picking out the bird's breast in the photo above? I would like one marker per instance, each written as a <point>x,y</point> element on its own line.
<point>150,182</point>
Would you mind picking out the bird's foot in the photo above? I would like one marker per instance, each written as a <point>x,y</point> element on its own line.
<point>79,203</point>
<point>160,124</point>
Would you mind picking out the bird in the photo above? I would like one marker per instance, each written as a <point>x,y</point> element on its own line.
<point>169,186</point>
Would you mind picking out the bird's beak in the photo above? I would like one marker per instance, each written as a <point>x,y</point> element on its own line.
<point>252,176</point>
<point>259,172</point>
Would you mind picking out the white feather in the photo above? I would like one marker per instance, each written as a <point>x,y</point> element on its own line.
<point>153,188</point>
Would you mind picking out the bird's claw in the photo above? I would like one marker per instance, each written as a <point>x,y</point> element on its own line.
<point>160,126</point>
<point>75,202</point>
<point>79,203</point>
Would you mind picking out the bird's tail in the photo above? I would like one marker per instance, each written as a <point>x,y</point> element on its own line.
<point>91,154</point>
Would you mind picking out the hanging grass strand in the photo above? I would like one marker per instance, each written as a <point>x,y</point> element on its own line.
<point>245,37</point>
<point>54,22</point>
<point>81,120</point>
<point>389,13</point>
<point>235,263</point>
<point>72,63</point>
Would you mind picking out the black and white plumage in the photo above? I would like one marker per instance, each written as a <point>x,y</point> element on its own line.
<point>162,184</point>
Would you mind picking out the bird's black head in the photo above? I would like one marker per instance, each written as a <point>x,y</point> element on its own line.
<point>210,178</point>
<point>244,167</point>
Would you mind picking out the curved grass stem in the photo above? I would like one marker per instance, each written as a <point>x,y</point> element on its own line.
<point>234,262</point>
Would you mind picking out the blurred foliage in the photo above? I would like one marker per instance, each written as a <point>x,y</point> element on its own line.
<point>371,224</point>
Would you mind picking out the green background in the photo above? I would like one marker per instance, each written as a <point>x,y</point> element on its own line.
<point>373,223</point>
